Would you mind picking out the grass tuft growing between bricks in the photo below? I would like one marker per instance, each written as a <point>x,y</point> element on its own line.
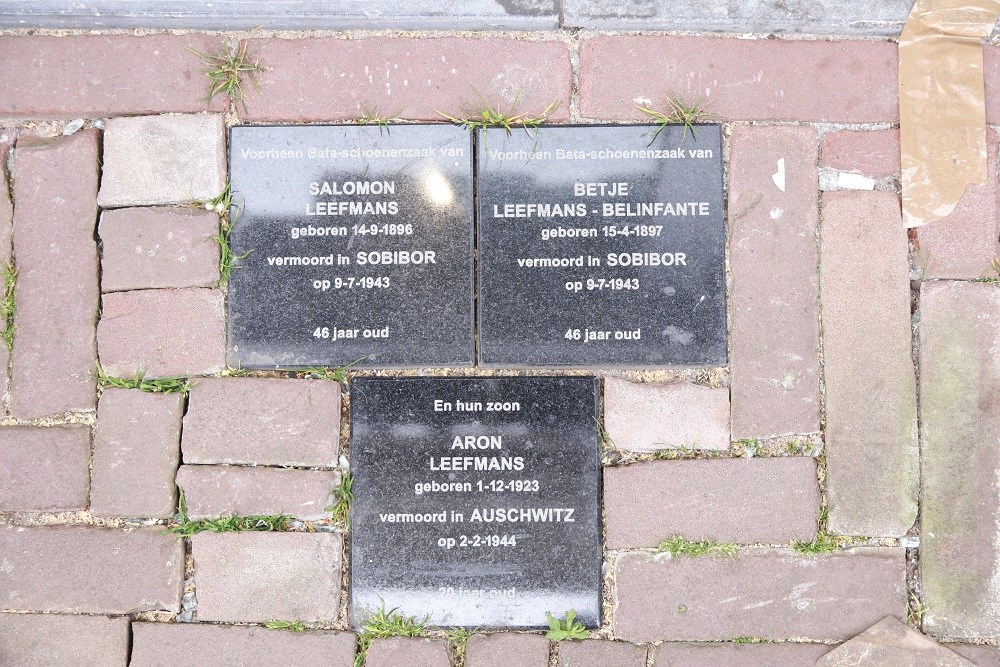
<point>343,496</point>
<point>679,113</point>
<point>750,640</point>
<point>229,70</point>
<point>371,116</point>
<point>678,546</point>
<point>487,115</point>
<point>823,543</point>
<point>176,385</point>
<point>7,307</point>
<point>186,527</point>
<point>565,628</point>
<point>382,624</point>
<point>458,640</point>
<point>223,205</point>
<point>294,626</point>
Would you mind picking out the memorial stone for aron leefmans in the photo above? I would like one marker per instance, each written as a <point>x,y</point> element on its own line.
<point>601,246</point>
<point>354,246</point>
<point>476,500</point>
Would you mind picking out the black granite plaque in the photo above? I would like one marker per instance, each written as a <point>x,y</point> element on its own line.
<point>360,242</point>
<point>477,500</point>
<point>601,246</point>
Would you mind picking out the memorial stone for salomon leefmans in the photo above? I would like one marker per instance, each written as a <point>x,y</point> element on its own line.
<point>601,246</point>
<point>353,245</point>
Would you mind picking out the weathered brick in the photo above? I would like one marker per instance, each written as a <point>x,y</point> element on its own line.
<point>991,79</point>
<point>646,417</point>
<point>136,453</point>
<point>90,570</point>
<point>165,333</point>
<point>981,655</point>
<point>773,594</point>
<point>891,642</point>
<point>960,413</point>
<point>760,500</point>
<point>163,160</point>
<point>775,316</point>
<point>505,649</point>
<point>740,79</point>
<point>148,248</point>
<point>43,640</point>
<point>44,469</point>
<point>56,296</point>
<point>406,651</point>
<point>871,404</point>
<point>254,491</point>
<point>874,153</point>
<point>678,654</point>
<point>169,644</point>
<point>254,577</point>
<point>94,76</point>
<point>323,78</point>
<point>263,422</point>
<point>965,243</point>
<point>600,652</point>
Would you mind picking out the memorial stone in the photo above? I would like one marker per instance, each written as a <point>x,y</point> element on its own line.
<point>477,500</point>
<point>601,246</point>
<point>353,245</point>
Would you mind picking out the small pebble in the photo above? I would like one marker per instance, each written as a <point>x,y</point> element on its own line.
<point>72,127</point>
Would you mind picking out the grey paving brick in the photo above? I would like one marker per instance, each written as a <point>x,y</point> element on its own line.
<point>960,414</point>
<point>78,569</point>
<point>167,159</point>
<point>649,416</point>
<point>747,501</point>
<point>170,644</point>
<point>600,652</point>
<point>52,640</point>
<point>775,316</point>
<point>136,454</point>
<point>871,402</point>
<point>891,642</point>
<point>263,421</point>
<point>56,296</point>
<point>255,577</point>
<point>44,469</point>
<point>786,654</point>
<point>407,652</point>
<point>772,594</point>
<point>164,333</point>
<point>148,248</point>
<point>244,491</point>
<point>505,649</point>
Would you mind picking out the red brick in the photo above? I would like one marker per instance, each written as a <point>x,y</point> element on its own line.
<point>768,500</point>
<point>44,469</point>
<point>255,577</point>
<point>147,248</point>
<point>600,652</point>
<point>981,655</point>
<point>892,642</point>
<point>775,319</point>
<point>136,452</point>
<point>960,460</point>
<point>407,652</point>
<point>965,243</point>
<point>772,594</point>
<point>56,296</point>
<point>505,649</point>
<point>165,333</point>
<point>49,639</point>
<point>648,416</point>
<point>77,569</point>
<point>256,491</point>
<point>785,654</point>
<point>871,403</point>
<point>170,644</point>
<point>740,79</point>
<point>263,422</point>
<point>326,78</point>
<point>874,153</point>
<point>95,76</point>
<point>991,76</point>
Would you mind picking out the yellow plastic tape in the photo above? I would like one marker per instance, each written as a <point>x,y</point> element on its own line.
<point>942,109</point>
